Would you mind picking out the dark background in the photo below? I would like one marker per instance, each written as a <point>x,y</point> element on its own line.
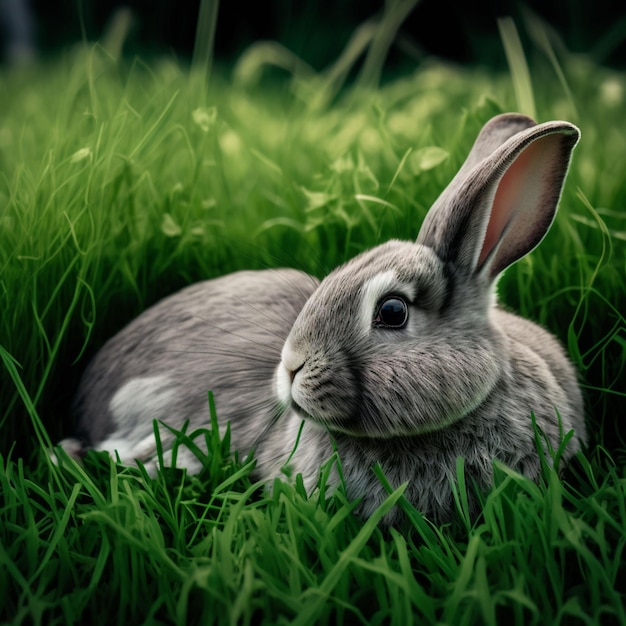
<point>317,31</point>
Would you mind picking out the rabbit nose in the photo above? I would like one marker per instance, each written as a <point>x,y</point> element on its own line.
<point>290,364</point>
<point>292,372</point>
<point>293,362</point>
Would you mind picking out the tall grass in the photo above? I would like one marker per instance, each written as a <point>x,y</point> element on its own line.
<point>123,182</point>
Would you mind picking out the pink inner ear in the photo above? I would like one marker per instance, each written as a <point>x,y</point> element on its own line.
<point>518,196</point>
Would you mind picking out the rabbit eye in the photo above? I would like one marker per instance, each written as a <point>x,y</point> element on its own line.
<point>392,312</point>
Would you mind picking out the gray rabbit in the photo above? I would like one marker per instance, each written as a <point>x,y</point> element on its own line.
<point>399,357</point>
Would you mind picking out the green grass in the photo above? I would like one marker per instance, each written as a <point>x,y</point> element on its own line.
<point>121,183</point>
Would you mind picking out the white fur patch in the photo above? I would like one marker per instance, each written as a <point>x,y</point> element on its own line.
<point>374,289</point>
<point>282,384</point>
<point>72,447</point>
<point>134,408</point>
<point>184,459</point>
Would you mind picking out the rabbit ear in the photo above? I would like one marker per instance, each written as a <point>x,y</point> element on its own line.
<point>504,198</point>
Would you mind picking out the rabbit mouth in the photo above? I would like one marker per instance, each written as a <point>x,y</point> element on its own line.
<point>305,414</point>
<point>337,424</point>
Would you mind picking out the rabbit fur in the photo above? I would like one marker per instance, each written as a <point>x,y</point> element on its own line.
<point>291,360</point>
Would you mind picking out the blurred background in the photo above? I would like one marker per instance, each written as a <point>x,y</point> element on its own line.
<point>314,31</point>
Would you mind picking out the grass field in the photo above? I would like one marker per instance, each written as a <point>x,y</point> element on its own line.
<point>120,183</point>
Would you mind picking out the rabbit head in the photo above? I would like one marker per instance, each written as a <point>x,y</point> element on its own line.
<point>402,340</point>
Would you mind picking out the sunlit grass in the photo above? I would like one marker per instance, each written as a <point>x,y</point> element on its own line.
<point>121,183</point>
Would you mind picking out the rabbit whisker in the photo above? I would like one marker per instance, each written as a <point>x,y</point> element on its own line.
<point>223,353</point>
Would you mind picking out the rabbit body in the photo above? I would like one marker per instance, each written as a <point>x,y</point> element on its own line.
<point>399,357</point>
